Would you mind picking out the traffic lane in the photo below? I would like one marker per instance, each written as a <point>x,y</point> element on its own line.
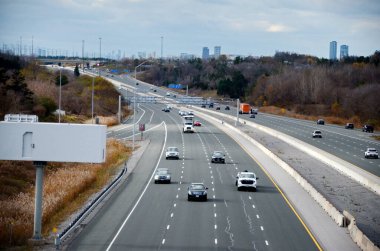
<point>191,225</point>
<point>98,233</point>
<point>145,226</point>
<point>269,219</point>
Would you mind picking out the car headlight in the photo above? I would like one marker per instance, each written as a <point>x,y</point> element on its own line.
<point>168,177</point>
<point>156,177</point>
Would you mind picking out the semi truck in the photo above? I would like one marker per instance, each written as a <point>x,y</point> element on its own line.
<point>244,108</point>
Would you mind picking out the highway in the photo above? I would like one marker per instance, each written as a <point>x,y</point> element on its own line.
<point>142,215</point>
<point>346,144</point>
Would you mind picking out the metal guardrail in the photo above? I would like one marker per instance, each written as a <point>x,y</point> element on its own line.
<point>82,215</point>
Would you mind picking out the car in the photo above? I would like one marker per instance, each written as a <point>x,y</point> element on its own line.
<point>252,116</point>
<point>203,106</point>
<point>168,94</point>
<point>162,175</point>
<point>227,108</point>
<point>172,152</point>
<point>197,123</point>
<point>217,108</point>
<point>174,95</point>
<point>166,109</point>
<point>320,122</point>
<point>190,113</point>
<point>188,127</point>
<point>218,157</point>
<point>211,105</point>
<point>371,153</point>
<point>254,111</point>
<point>182,113</point>
<point>367,128</point>
<point>349,126</point>
<point>317,134</point>
<point>197,191</point>
<point>137,83</point>
<point>154,90</point>
<point>247,180</point>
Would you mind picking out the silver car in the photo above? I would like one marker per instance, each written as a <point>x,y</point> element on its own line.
<point>162,175</point>
<point>172,153</point>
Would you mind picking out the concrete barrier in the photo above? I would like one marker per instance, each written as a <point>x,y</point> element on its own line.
<point>357,174</point>
<point>357,236</point>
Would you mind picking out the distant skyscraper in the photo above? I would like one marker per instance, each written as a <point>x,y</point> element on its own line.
<point>343,51</point>
<point>333,46</point>
<point>205,53</point>
<point>217,50</point>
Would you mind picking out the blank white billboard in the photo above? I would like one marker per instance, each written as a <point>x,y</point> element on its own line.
<point>58,142</point>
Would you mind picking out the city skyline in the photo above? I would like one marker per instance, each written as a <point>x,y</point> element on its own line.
<point>241,27</point>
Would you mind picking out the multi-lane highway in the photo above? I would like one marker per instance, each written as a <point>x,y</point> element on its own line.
<point>147,216</point>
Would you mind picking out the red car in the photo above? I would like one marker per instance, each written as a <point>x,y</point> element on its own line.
<point>197,123</point>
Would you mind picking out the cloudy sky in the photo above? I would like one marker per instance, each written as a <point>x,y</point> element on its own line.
<point>242,27</point>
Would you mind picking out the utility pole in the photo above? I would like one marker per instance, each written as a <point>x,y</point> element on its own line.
<point>32,46</point>
<point>82,55</point>
<point>100,53</point>
<point>162,47</point>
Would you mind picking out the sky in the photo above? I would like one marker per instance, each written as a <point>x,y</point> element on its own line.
<point>240,27</point>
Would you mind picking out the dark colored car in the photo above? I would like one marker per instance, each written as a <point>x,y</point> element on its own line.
<point>349,126</point>
<point>252,116</point>
<point>320,122</point>
<point>218,157</point>
<point>227,108</point>
<point>218,108</point>
<point>203,106</point>
<point>197,191</point>
<point>166,110</point>
<point>211,105</point>
<point>367,128</point>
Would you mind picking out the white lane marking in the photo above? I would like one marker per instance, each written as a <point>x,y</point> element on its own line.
<point>167,227</point>
<point>214,205</point>
<point>176,196</point>
<point>213,189</point>
<point>213,196</point>
<point>171,215</point>
<point>262,228</point>
<point>175,204</point>
<point>253,206</point>
<point>267,243</point>
<point>249,197</point>
<point>163,241</point>
<point>179,188</point>
<point>215,226</point>
<point>257,216</point>
<point>216,241</point>
<point>215,215</point>
<point>143,192</point>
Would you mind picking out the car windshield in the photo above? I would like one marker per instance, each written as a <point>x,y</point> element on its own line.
<point>218,153</point>
<point>172,149</point>
<point>247,175</point>
<point>372,150</point>
<point>317,131</point>
<point>197,187</point>
<point>162,172</point>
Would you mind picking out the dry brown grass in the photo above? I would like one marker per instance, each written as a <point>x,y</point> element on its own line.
<point>65,190</point>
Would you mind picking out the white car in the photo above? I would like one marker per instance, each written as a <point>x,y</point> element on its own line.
<point>188,127</point>
<point>162,175</point>
<point>371,153</point>
<point>246,180</point>
<point>317,134</point>
<point>172,153</point>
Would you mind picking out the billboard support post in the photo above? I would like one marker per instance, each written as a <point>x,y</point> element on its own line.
<point>38,199</point>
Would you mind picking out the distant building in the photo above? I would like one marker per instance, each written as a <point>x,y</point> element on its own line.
<point>205,53</point>
<point>333,47</point>
<point>343,51</point>
<point>217,51</point>
<point>186,56</point>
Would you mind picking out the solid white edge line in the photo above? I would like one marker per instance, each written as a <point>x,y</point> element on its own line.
<point>142,194</point>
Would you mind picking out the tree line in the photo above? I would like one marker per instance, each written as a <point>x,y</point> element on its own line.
<point>305,84</point>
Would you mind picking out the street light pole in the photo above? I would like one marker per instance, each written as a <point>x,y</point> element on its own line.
<point>92,100</point>
<point>134,107</point>
<point>60,87</point>
<point>100,53</point>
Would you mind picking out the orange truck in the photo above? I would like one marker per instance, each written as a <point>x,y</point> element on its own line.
<point>244,108</point>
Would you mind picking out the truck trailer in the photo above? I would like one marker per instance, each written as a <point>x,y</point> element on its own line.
<point>244,108</point>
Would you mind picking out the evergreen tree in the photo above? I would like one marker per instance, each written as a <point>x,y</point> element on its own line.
<point>76,71</point>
